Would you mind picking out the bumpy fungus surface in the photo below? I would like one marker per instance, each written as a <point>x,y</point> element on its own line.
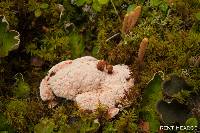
<point>80,80</point>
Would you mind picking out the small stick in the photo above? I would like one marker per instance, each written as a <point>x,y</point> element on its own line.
<point>112,37</point>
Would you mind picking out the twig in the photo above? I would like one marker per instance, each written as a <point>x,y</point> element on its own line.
<point>112,37</point>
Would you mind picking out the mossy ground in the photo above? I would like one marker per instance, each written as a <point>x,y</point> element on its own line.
<point>49,35</point>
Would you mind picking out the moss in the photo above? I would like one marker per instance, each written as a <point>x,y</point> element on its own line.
<point>16,110</point>
<point>127,122</point>
<point>172,30</point>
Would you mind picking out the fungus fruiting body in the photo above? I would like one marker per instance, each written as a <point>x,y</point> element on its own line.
<point>101,65</point>
<point>81,81</point>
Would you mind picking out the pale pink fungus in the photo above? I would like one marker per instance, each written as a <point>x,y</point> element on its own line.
<point>80,80</point>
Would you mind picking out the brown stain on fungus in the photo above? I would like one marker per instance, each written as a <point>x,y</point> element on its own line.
<point>52,74</point>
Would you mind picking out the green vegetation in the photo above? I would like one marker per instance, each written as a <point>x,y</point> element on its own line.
<point>9,39</point>
<point>57,30</point>
<point>152,94</point>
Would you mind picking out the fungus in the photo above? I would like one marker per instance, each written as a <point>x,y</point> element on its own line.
<point>81,81</point>
<point>101,65</point>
